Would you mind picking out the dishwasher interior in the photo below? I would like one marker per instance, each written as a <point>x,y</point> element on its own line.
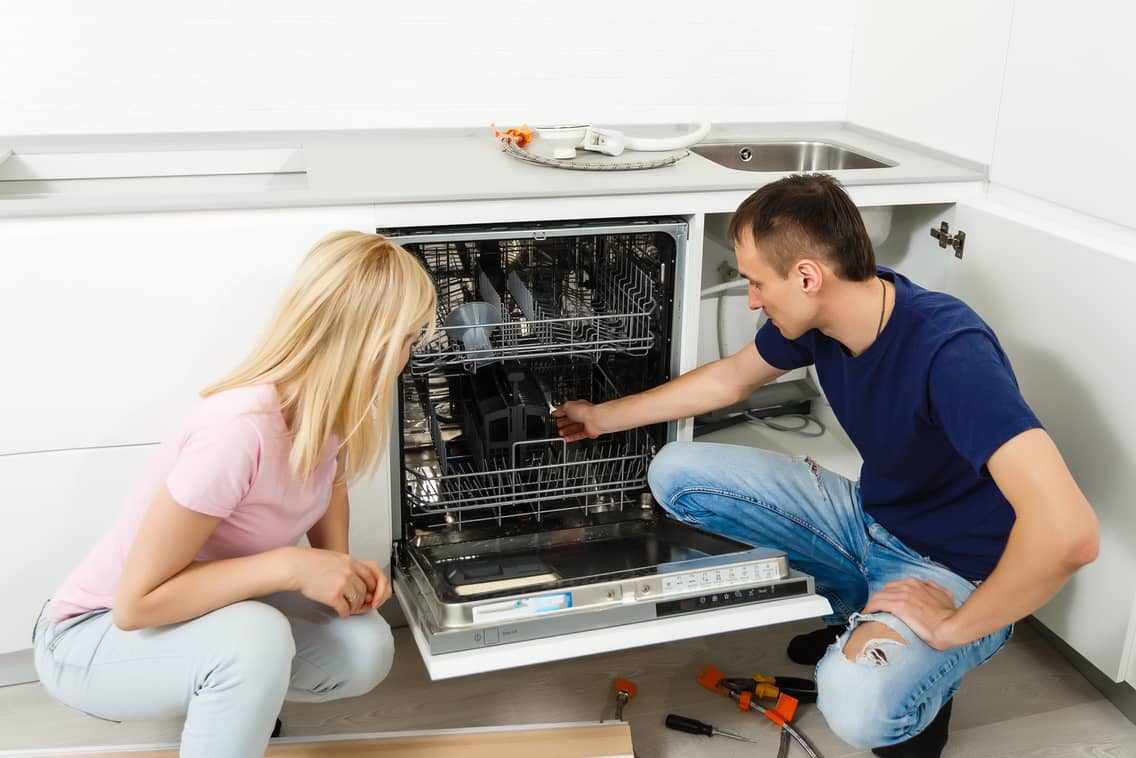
<point>504,531</point>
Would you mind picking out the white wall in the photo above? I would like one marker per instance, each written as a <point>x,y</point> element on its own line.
<point>931,72</point>
<point>1040,90</point>
<point>71,66</point>
<point>1066,122</point>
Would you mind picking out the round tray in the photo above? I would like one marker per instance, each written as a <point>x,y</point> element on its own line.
<point>590,161</point>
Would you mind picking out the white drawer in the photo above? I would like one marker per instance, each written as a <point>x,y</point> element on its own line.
<point>112,324</point>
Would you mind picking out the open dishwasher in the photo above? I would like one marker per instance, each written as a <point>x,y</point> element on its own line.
<point>512,546</point>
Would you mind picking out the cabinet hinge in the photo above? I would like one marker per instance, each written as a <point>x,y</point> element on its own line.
<point>946,239</point>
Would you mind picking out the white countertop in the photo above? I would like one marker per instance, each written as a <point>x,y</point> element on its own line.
<point>403,166</point>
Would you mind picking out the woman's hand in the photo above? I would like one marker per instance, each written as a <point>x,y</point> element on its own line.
<point>338,581</point>
<point>576,420</point>
<point>382,590</point>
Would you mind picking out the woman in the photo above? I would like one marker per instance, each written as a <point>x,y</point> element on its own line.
<point>198,601</point>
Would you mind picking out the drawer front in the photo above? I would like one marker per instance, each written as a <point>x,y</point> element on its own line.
<point>112,324</point>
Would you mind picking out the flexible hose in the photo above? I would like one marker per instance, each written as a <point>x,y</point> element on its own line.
<point>717,288</point>
<point>667,143</point>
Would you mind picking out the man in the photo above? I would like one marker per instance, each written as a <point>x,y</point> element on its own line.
<point>965,518</point>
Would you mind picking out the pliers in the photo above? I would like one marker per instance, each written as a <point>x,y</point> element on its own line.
<point>804,690</point>
<point>746,690</point>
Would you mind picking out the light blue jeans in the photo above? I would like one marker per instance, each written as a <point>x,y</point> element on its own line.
<point>227,672</point>
<point>893,690</point>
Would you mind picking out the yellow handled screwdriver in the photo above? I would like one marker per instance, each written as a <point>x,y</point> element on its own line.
<point>693,726</point>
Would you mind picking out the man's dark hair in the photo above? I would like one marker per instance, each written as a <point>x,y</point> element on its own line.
<point>806,215</point>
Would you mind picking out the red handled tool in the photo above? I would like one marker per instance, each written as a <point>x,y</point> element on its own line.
<point>625,689</point>
<point>746,692</point>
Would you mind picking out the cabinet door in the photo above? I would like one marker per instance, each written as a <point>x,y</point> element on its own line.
<point>370,525</point>
<point>1064,313</point>
<point>1131,649</point>
<point>111,324</point>
<point>55,506</point>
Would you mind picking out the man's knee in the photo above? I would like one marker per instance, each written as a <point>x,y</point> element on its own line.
<point>869,643</point>
<point>855,694</point>
<point>665,471</point>
<point>858,715</point>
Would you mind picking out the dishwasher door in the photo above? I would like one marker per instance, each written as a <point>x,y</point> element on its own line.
<point>498,653</point>
<point>531,315</point>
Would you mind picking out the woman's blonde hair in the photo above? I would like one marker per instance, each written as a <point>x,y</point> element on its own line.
<point>334,347</point>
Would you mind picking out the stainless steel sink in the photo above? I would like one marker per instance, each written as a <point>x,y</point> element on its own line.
<point>787,156</point>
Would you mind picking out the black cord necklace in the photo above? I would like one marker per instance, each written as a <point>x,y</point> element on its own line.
<point>883,307</point>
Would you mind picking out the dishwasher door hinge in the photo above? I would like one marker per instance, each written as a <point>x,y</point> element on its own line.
<point>943,234</point>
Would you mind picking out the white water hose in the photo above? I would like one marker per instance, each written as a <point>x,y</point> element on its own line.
<point>711,291</point>
<point>614,142</point>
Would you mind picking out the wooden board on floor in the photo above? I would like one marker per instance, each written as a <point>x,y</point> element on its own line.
<point>608,740</point>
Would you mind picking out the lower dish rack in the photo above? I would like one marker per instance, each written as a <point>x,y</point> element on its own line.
<point>455,477</point>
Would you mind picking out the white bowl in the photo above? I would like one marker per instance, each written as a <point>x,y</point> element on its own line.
<point>562,140</point>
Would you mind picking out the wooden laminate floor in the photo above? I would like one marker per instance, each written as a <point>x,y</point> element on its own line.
<point>1027,701</point>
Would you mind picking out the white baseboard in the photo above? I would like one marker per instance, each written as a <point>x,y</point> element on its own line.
<point>17,668</point>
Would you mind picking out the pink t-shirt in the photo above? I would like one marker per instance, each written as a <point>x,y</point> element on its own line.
<point>228,458</point>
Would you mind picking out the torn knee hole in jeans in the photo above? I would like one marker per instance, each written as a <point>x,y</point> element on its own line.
<point>812,464</point>
<point>874,652</point>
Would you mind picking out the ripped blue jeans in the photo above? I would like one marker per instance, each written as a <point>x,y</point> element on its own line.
<point>893,690</point>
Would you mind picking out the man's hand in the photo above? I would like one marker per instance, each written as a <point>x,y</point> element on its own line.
<point>576,420</point>
<point>921,604</point>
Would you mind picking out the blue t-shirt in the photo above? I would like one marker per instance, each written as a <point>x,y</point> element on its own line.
<point>926,405</point>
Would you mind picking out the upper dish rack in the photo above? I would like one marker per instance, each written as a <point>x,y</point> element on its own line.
<point>561,296</point>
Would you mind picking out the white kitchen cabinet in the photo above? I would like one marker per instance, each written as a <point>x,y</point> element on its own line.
<point>111,324</point>
<point>1131,646</point>
<point>1063,312</point>
<point>61,503</point>
<point>1062,309</point>
<point>370,525</point>
<point>56,506</point>
<point>109,336</point>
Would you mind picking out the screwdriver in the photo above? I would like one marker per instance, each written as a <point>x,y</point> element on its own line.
<point>693,726</point>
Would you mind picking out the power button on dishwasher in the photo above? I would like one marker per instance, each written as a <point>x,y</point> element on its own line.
<point>490,636</point>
